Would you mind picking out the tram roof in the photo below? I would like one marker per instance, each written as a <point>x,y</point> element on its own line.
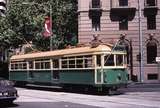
<point>64,52</point>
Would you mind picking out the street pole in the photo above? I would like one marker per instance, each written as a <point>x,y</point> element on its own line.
<point>141,74</point>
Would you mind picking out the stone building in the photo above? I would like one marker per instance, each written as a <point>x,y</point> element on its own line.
<point>124,22</point>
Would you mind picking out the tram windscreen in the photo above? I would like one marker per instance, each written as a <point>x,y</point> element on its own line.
<point>119,60</point>
<point>109,60</point>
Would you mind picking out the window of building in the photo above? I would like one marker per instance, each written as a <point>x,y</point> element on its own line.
<point>151,2</point>
<point>123,2</point>
<point>151,52</point>
<point>152,76</point>
<point>151,22</point>
<point>95,3</point>
<point>96,23</point>
<point>123,24</point>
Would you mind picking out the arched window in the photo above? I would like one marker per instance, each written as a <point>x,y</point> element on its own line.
<point>151,51</point>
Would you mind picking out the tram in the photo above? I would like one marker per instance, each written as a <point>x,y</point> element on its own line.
<point>102,67</point>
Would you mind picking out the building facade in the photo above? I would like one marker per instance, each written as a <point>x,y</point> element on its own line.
<point>133,23</point>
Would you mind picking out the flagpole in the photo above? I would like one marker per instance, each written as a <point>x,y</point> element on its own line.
<point>51,45</point>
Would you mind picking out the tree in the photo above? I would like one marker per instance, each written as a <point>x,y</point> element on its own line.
<point>25,22</point>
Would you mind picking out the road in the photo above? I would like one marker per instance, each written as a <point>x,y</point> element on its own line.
<point>133,97</point>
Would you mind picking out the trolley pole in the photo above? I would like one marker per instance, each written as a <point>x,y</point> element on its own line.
<point>141,74</point>
<point>50,12</point>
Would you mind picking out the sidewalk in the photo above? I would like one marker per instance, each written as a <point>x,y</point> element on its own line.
<point>143,85</point>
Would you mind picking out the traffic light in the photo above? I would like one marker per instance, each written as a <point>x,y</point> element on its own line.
<point>3,7</point>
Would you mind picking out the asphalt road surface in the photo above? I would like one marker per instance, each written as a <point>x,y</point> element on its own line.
<point>136,96</point>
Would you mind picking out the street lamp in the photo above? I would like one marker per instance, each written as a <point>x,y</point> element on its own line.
<point>50,14</point>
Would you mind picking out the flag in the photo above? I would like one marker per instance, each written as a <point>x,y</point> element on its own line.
<point>3,7</point>
<point>47,27</point>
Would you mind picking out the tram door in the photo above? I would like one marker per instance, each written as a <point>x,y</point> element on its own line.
<point>30,67</point>
<point>55,71</point>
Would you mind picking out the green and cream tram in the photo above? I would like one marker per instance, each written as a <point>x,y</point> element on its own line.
<point>98,67</point>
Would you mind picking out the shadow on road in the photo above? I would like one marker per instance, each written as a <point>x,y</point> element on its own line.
<point>121,91</point>
<point>73,90</point>
<point>141,87</point>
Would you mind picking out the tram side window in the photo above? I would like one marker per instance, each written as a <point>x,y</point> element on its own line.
<point>79,63</point>
<point>88,61</point>
<point>64,63</point>
<point>24,65</point>
<point>42,64</point>
<point>46,65</point>
<point>98,60</point>
<point>30,64</point>
<point>72,63</point>
<point>12,66</point>
<point>38,65</point>
<point>109,60</point>
<point>119,60</point>
<point>18,65</point>
<point>55,63</point>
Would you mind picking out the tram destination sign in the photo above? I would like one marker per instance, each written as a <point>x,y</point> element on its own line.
<point>157,59</point>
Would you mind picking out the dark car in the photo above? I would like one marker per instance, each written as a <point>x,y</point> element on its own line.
<point>7,91</point>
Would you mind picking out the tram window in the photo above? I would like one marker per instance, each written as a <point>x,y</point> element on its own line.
<point>38,65</point>
<point>109,60</point>
<point>42,65</point>
<point>79,63</point>
<point>98,60</point>
<point>64,64</point>
<point>72,63</point>
<point>47,65</point>
<point>20,66</point>
<point>55,63</point>
<point>119,60</point>
<point>12,66</point>
<point>16,66</point>
<point>24,66</point>
<point>88,63</point>
<point>30,64</point>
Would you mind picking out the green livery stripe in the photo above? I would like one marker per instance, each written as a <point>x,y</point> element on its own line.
<point>18,75</point>
<point>77,77</point>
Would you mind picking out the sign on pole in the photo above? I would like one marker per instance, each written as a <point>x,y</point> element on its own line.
<point>157,59</point>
